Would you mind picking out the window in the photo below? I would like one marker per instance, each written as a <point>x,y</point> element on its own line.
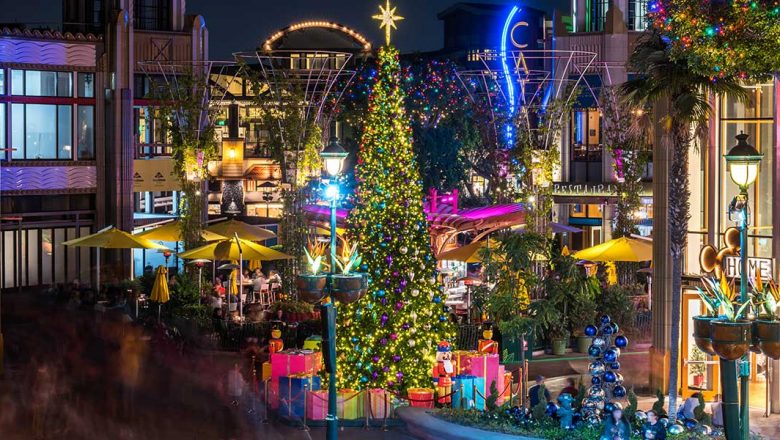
<point>41,131</point>
<point>2,81</point>
<point>86,85</point>
<point>41,83</point>
<point>152,14</point>
<point>2,130</point>
<point>637,15</point>
<point>597,15</point>
<point>586,149</point>
<point>85,126</point>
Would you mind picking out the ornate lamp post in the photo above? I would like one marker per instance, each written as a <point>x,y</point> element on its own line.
<point>333,156</point>
<point>743,162</point>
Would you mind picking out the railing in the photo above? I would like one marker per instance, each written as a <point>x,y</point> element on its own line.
<point>146,151</point>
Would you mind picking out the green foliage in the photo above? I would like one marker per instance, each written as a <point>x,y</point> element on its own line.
<point>291,306</point>
<point>700,413</point>
<point>616,302</point>
<point>539,410</point>
<point>630,409</point>
<point>185,300</point>
<point>697,367</point>
<point>507,357</point>
<point>437,150</point>
<point>499,421</point>
<point>490,402</point>
<point>658,405</point>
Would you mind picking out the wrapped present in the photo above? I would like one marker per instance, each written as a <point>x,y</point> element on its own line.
<point>486,366</point>
<point>462,360</point>
<point>290,362</point>
<point>380,402</point>
<point>506,389</point>
<point>468,392</point>
<point>350,404</point>
<point>317,408</point>
<point>292,394</point>
<point>420,397</point>
<point>266,370</point>
<point>273,394</point>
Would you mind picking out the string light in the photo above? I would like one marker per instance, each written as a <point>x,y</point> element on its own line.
<point>388,338</point>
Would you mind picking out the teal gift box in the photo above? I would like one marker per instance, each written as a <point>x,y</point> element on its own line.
<point>292,395</point>
<point>468,392</point>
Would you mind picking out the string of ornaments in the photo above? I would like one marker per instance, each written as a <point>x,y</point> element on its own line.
<point>606,381</point>
<point>721,38</point>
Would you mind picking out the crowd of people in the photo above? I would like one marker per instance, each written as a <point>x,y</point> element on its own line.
<point>258,288</point>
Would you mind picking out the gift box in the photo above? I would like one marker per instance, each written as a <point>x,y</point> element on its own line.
<point>266,370</point>
<point>350,404</point>
<point>292,394</point>
<point>462,360</point>
<point>486,366</point>
<point>506,390</point>
<point>420,397</point>
<point>317,408</point>
<point>380,402</point>
<point>291,362</point>
<point>273,394</point>
<point>468,392</point>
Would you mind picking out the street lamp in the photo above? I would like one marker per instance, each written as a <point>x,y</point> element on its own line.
<point>333,156</point>
<point>743,163</point>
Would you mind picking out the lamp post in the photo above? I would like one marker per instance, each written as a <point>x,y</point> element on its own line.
<point>743,163</point>
<point>333,156</point>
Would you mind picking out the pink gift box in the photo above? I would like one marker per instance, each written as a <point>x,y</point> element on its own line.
<point>380,402</point>
<point>317,405</point>
<point>486,365</point>
<point>292,362</point>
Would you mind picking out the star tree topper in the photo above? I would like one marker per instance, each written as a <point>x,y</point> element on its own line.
<point>387,18</point>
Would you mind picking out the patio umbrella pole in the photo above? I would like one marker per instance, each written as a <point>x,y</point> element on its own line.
<point>97,290</point>
<point>240,274</point>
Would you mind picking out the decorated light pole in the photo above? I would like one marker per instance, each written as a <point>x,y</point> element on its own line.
<point>743,163</point>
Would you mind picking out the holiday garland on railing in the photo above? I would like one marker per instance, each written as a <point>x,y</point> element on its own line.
<point>722,37</point>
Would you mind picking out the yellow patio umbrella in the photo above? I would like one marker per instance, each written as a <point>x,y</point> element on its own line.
<point>227,249</point>
<point>618,249</point>
<point>160,293</point>
<point>245,231</point>
<point>468,253</point>
<point>171,231</point>
<point>113,238</point>
<point>255,264</point>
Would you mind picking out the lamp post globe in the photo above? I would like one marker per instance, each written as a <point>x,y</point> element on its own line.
<point>333,156</point>
<point>743,161</point>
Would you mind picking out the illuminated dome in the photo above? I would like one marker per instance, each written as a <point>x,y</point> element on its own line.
<point>317,35</point>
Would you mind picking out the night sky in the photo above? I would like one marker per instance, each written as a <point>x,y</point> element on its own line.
<point>236,25</point>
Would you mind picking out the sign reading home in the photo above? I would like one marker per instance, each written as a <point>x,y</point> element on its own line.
<point>763,266</point>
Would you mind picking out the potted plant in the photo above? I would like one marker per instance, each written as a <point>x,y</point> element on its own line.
<point>348,286</point>
<point>731,336</point>
<point>559,337</point>
<point>702,333</point>
<point>698,367</point>
<point>311,286</point>
<point>766,327</point>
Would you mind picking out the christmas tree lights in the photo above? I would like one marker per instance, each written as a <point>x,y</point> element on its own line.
<point>388,338</point>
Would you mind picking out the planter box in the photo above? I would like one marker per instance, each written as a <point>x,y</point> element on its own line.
<point>311,288</point>
<point>731,340</point>
<point>768,335</point>
<point>702,333</point>
<point>349,288</point>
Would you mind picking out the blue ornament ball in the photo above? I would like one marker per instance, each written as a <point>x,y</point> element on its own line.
<point>690,424</point>
<point>605,319</point>
<point>596,368</point>
<point>442,318</point>
<point>676,429</point>
<point>621,341</point>
<point>591,330</point>
<point>595,380</point>
<point>437,299</point>
<point>609,407</point>
<point>607,330</point>
<point>614,365</point>
<point>609,377</point>
<point>611,355</point>
<point>594,351</point>
<point>551,409</point>
<point>619,391</point>
<point>615,327</point>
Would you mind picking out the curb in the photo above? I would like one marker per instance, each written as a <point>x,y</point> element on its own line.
<point>423,425</point>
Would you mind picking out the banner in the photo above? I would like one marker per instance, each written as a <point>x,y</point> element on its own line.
<point>154,175</point>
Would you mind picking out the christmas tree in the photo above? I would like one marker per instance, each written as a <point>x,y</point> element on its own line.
<point>388,338</point>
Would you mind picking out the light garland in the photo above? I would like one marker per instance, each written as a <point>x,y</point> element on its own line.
<point>268,44</point>
<point>388,338</point>
<point>721,38</point>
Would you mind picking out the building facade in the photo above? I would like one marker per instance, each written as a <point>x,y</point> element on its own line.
<point>67,100</point>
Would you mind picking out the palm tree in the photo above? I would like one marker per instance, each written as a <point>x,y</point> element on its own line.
<point>663,79</point>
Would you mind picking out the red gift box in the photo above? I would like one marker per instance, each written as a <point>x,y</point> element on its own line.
<point>462,360</point>
<point>318,405</point>
<point>420,397</point>
<point>292,362</point>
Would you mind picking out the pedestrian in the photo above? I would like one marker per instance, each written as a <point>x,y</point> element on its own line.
<point>235,384</point>
<point>652,429</point>
<point>687,409</point>
<point>569,389</point>
<point>535,391</point>
<point>616,427</point>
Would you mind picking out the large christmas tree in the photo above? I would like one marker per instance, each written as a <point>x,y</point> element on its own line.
<point>388,339</point>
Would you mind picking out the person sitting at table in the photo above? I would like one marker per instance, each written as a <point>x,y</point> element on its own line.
<point>257,285</point>
<point>218,287</point>
<point>274,278</point>
<point>258,273</point>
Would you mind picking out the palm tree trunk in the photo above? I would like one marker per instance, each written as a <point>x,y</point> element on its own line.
<point>679,214</point>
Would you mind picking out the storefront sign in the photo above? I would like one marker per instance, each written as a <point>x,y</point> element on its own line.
<point>763,266</point>
<point>593,189</point>
<point>154,175</point>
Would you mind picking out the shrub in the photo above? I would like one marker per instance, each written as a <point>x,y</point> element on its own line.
<point>616,302</point>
